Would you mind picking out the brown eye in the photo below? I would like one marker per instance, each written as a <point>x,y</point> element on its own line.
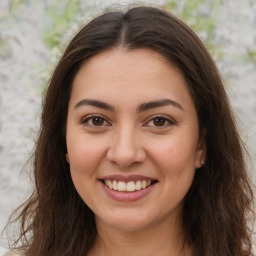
<point>159,121</point>
<point>97,121</point>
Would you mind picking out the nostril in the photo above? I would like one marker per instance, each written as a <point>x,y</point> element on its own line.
<point>125,156</point>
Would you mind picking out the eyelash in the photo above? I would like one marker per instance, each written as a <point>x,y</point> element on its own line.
<point>92,118</point>
<point>163,118</point>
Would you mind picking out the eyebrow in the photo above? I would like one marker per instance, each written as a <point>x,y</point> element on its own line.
<point>157,104</point>
<point>143,107</point>
<point>94,103</point>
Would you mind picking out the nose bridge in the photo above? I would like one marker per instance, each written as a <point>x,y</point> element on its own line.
<point>126,148</point>
<point>125,140</point>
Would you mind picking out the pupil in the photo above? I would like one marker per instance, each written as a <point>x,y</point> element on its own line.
<point>97,121</point>
<point>159,121</point>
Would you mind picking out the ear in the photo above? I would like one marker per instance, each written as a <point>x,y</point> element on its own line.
<point>67,157</point>
<point>201,151</point>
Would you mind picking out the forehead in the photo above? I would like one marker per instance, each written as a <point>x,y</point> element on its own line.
<point>119,62</point>
<point>141,74</point>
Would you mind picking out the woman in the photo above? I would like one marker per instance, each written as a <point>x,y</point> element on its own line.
<point>138,152</point>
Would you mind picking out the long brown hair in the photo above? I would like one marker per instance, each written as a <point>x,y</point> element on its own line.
<point>55,221</point>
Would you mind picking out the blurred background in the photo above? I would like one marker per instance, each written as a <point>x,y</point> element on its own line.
<point>34,33</point>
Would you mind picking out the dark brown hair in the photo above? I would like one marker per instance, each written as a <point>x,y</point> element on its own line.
<point>55,221</point>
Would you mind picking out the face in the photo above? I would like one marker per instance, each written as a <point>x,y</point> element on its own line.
<point>132,138</point>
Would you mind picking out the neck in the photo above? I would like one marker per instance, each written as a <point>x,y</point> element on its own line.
<point>161,240</point>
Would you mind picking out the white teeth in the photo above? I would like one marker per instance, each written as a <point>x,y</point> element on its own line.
<point>121,186</point>
<point>130,186</point>
<point>138,185</point>
<point>143,184</point>
<point>127,187</point>
<point>110,185</point>
<point>114,185</point>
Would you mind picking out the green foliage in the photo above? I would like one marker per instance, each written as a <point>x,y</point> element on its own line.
<point>5,52</point>
<point>200,15</point>
<point>14,4</point>
<point>61,15</point>
<point>251,55</point>
<point>171,5</point>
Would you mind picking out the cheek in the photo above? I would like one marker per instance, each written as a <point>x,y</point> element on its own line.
<point>84,154</point>
<point>175,161</point>
<point>176,153</point>
<point>83,163</point>
<point>84,159</point>
<point>176,166</point>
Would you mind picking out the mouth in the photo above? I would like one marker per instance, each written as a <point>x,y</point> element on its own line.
<point>128,186</point>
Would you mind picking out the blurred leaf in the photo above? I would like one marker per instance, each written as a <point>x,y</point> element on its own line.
<point>14,4</point>
<point>171,5</point>
<point>61,17</point>
<point>251,55</point>
<point>200,15</point>
<point>5,49</point>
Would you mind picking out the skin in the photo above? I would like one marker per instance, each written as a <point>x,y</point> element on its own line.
<point>129,140</point>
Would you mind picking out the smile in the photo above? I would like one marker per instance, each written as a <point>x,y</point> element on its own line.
<point>129,186</point>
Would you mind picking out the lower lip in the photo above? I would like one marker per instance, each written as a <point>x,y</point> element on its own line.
<point>127,196</point>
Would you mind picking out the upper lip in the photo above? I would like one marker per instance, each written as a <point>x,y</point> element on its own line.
<point>127,178</point>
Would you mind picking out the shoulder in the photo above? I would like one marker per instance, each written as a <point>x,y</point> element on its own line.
<point>13,253</point>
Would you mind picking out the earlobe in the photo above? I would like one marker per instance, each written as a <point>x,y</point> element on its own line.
<point>67,157</point>
<point>201,152</point>
<point>200,159</point>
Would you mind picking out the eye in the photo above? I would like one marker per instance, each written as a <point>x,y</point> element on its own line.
<point>159,121</point>
<point>95,121</point>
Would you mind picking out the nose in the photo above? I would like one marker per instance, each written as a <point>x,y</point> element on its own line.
<point>126,148</point>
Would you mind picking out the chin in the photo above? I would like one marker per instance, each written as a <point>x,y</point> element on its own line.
<point>126,222</point>
<point>130,226</point>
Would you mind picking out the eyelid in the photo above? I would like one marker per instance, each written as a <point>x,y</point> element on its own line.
<point>86,118</point>
<point>170,121</point>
